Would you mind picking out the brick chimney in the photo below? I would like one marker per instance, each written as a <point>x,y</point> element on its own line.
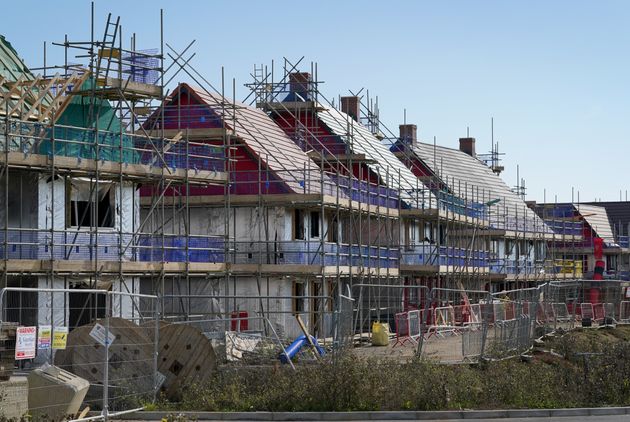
<point>408,134</point>
<point>467,145</point>
<point>351,106</point>
<point>300,83</point>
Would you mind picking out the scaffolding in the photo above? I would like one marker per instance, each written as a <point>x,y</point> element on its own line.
<point>78,151</point>
<point>241,216</point>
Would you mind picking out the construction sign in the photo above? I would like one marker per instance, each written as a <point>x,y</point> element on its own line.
<point>98,333</point>
<point>44,337</point>
<point>25,343</point>
<point>60,338</point>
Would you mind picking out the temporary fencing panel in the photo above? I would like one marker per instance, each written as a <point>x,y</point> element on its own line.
<point>108,348</point>
<point>415,324</point>
<point>408,327</point>
<point>403,332</point>
<point>609,310</point>
<point>587,311</point>
<point>472,341</point>
<point>445,317</point>
<point>456,330</point>
<point>561,312</point>
<point>475,313</point>
<point>599,312</point>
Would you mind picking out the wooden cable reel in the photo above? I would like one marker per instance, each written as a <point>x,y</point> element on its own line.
<point>185,356</point>
<point>130,359</point>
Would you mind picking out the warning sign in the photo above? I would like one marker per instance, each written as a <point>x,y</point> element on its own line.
<point>25,343</point>
<point>98,334</point>
<point>44,337</point>
<point>60,338</point>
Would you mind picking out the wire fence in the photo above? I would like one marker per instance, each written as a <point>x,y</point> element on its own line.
<point>458,325</point>
<point>80,348</point>
<point>114,351</point>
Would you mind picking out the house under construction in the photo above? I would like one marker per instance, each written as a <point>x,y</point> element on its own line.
<point>243,214</point>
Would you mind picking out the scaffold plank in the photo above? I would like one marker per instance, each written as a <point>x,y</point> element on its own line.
<point>110,168</point>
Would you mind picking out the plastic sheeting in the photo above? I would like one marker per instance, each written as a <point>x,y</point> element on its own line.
<point>126,306</point>
<point>52,307</point>
<point>51,204</point>
<point>127,207</point>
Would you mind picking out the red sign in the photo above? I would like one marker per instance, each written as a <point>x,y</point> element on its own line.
<point>25,343</point>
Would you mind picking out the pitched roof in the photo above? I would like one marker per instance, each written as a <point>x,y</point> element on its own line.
<point>11,65</point>
<point>618,214</point>
<point>469,178</point>
<point>383,162</point>
<point>12,68</point>
<point>268,141</point>
<point>597,218</point>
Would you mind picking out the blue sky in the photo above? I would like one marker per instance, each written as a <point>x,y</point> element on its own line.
<point>554,75</point>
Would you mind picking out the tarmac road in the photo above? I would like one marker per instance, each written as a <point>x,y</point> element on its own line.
<point>611,418</point>
<point>615,418</point>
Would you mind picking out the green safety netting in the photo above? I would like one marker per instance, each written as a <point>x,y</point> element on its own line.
<point>75,131</point>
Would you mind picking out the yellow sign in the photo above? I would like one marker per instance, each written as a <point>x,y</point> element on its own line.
<point>60,338</point>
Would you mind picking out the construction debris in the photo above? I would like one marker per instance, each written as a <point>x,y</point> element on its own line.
<point>236,344</point>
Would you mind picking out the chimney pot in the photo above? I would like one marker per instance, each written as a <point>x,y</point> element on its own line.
<point>467,145</point>
<point>408,134</point>
<point>351,106</point>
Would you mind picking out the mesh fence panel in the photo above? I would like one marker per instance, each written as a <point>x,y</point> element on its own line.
<point>94,340</point>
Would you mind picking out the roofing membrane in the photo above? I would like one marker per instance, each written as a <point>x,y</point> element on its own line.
<point>618,214</point>
<point>597,218</point>
<point>383,162</point>
<point>469,178</point>
<point>11,65</point>
<point>263,136</point>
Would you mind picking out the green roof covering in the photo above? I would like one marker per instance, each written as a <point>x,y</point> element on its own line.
<point>75,135</point>
<point>11,65</point>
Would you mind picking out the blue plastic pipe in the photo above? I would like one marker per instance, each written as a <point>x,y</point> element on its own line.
<point>297,345</point>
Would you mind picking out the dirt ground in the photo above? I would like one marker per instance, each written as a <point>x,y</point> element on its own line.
<point>448,346</point>
<point>444,348</point>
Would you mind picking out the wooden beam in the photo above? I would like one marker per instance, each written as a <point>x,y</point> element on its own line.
<point>290,105</point>
<point>24,93</point>
<point>111,168</point>
<point>318,157</point>
<point>12,91</point>
<point>193,133</point>
<point>308,336</point>
<point>129,86</point>
<point>76,87</point>
<point>41,96</point>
